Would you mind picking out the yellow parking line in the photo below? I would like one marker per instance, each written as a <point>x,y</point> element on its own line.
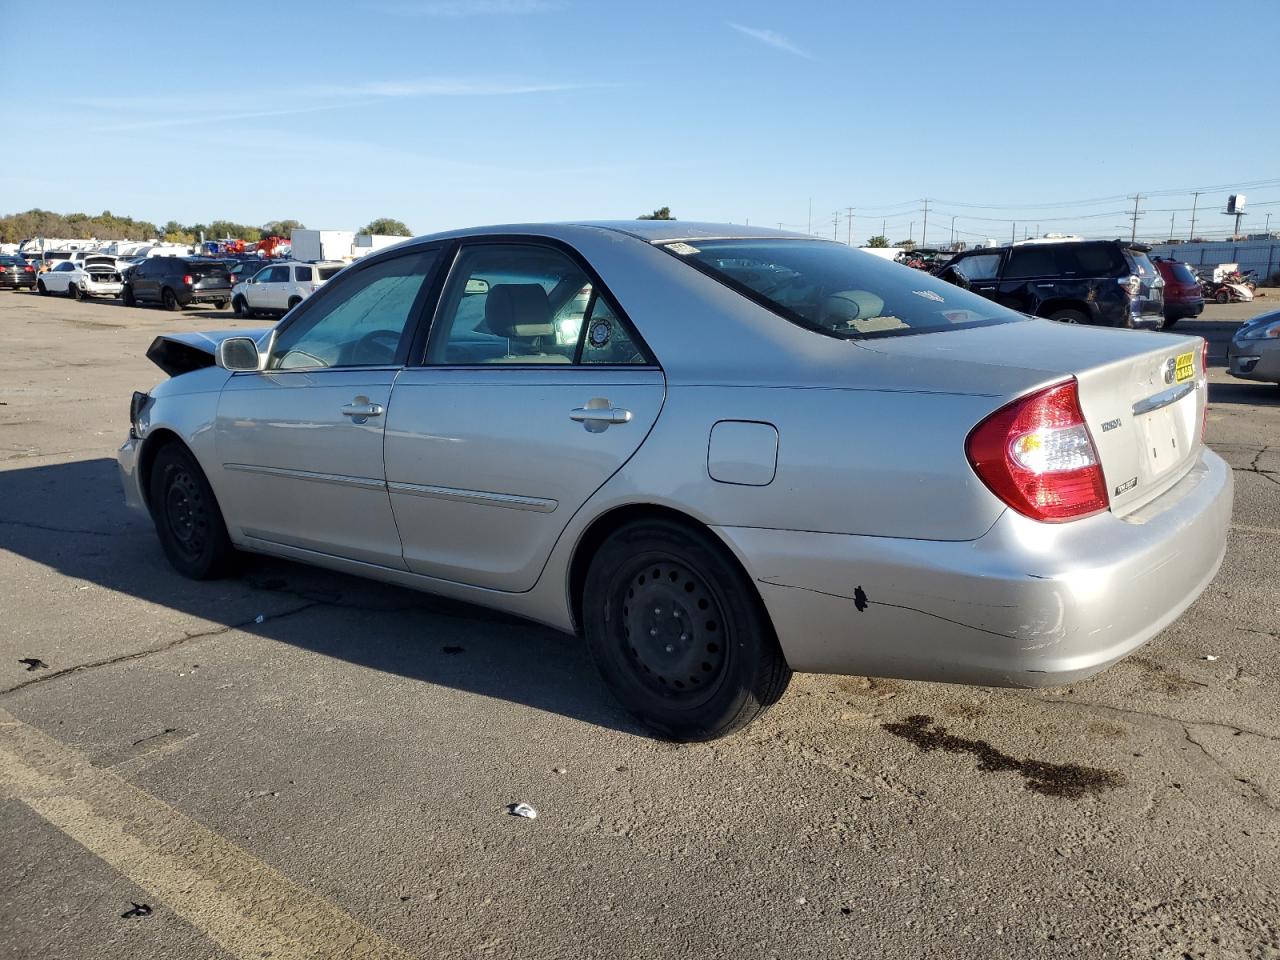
<point>239,902</point>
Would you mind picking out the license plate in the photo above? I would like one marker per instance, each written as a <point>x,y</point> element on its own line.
<point>1184,367</point>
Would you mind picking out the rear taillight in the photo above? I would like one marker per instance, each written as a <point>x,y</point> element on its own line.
<point>188,279</point>
<point>29,268</point>
<point>1037,456</point>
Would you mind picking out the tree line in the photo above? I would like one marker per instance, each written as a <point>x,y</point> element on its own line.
<point>15,227</point>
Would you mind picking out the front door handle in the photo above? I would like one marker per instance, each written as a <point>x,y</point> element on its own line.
<point>597,416</point>
<point>1043,285</point>
<point>360,410</point>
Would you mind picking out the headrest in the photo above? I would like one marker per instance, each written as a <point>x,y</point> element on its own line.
<point>518,310</point>
<point>841,309</point>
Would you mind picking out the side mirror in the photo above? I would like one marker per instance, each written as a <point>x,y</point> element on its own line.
<point>238,354</point>
<point>952,275</point>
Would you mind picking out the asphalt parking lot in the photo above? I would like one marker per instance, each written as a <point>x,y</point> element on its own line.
<point>301,764</point>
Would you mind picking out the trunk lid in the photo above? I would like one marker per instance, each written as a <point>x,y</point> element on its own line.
<point>1143,394</point>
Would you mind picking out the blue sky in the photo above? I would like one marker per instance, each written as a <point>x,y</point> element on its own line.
<point>447,113</point>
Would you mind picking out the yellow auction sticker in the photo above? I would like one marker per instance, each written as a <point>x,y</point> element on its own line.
<point>1185,366</point>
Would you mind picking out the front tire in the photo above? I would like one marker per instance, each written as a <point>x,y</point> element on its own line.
<point>128,298</point>
<point>170,300</point>
<point>679,633</point>
<point>241,307</point>
<point>41,288</point>
<point>186,515</point>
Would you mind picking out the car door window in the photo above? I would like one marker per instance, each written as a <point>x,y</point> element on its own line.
<point>359,322</point>
<point>1031,261</point>
<point>526,304</point>
<point>982,266</point>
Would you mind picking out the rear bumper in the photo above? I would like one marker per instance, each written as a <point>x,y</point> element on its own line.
<point>1027,604</point>
<point>17,283</point>
<point>1183,309</point>
<point>102,289</point>
<point>204,296</point>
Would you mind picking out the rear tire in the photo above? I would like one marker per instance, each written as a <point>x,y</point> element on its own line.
<point>186,515</point>
<point>220,304</point>
<point>293,302</point>
<point>1222,297</point>
<point>679,633</point>
<point>1168,323</point>
<point>1069,316</point>
<point>74,292</point>
<point>169,299</point>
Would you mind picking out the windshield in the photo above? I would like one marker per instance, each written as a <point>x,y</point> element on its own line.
<point>839,291</point>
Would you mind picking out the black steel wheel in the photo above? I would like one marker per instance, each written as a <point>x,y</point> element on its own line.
<point>1069,316</point>
<point>679,633</point>
<point>169,299</point>
<point>186,516</point>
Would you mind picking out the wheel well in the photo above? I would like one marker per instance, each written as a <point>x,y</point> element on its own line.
<point>1052,306</point>
<point>156,440</point>
<point>604,525</point>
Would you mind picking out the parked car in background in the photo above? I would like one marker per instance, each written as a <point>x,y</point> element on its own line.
<point>1254,353</point>
<point>762,453</point>
<point>174,282</point>
<point>16,273</point>
<point>241,270</point>
<point>1183,296</point>
<point>280,287</point>
<point>94,276</point>
<point>1109,283</point>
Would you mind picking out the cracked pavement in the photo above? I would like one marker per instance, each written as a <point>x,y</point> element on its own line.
<point>356,749</point>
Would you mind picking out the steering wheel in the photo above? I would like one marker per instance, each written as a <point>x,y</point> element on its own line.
<point>375,347</point>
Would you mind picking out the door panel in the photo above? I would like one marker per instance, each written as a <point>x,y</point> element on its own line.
<point>297,469</point>
<point>485,467</point>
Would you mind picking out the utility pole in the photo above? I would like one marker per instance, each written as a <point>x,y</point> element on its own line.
<point>1013,232</point>
<point>1133,235</point>
<point>810,231</point>
<point>849,224</point>
<point>1268,226</point>
<point>911,233</point>
<point>953,233</point>
<point>924,230</point>
<point>882,233</point>
<point>835,223</point>
<point>1191,234</point>
<point>779,224</point>
<point>1171,216</point>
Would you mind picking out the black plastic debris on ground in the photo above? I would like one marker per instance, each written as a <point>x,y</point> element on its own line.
<point>34,663</point>
<point>136,910</point>
<point>1052,779</point>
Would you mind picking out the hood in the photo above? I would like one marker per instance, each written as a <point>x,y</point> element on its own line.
<point>179,353</point>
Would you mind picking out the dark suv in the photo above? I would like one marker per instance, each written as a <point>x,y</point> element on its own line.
<point>1106,282</point>
<point>177,282</point>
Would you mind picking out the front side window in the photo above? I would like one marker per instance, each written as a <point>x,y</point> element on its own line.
<point>832,289</point>
<point>356,323</point>
<point>526,304</point>
<point>981,266</point>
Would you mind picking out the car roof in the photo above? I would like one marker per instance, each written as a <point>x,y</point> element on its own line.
<point>649,231</point>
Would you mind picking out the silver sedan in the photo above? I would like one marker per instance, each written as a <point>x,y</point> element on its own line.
<point>718,454</point>
<point>1254,353</point>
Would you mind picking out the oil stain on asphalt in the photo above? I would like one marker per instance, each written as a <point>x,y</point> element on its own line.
<point>1052,779</point>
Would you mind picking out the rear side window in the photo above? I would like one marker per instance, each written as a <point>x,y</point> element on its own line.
<point>1091,260</point>
<point>832,289</point>
<point>1031,261</point>
<point>327,272</point>
<point>302,274</point>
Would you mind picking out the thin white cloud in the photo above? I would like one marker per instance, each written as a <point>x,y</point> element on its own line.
<point>473,8</point>
<point>773,39</point>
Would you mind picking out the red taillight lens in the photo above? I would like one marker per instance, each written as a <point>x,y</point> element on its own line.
<point>29,268</point>
<point>188,280</point>
<point>1037,456</point>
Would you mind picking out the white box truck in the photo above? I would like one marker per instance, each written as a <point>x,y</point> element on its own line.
<point>322,244</point>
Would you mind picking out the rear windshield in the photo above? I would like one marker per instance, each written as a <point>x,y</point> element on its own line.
<point>1142,266</point>
<point>839,291</point>
<point>327,272</point>
<point>1181,271</point>
<point>17,261</point>
<point>207,269</point>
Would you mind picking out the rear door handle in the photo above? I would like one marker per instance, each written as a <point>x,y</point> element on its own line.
<point>598,415</point>
<point>984,288</point>
<point>1046,284</point>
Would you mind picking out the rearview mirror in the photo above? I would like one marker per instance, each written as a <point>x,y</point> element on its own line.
<point>476,286</point>
<point>237,354</point>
